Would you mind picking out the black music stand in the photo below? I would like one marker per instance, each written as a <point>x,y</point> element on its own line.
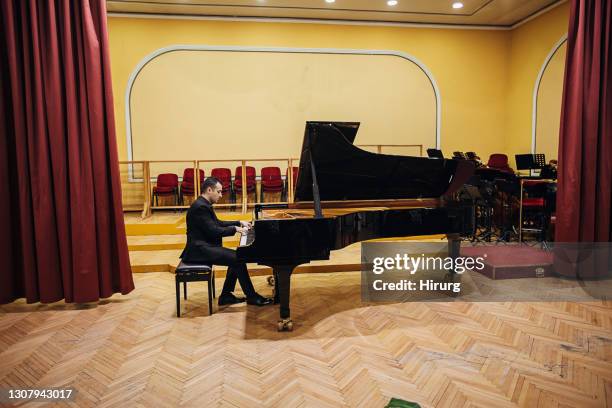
<point>507,190</point>
<point>481,193</point>
<point>540,160</point>
<point>435,154</point>
<point>548,172</point>
<point>525,162</point>
<point>474,158</point>
<point>469,194</point>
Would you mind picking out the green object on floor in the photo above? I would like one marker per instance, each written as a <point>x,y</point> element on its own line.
<point>398,403</point>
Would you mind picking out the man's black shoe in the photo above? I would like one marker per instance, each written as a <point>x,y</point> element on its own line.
<point>259,300</point>
<point>230,299</point>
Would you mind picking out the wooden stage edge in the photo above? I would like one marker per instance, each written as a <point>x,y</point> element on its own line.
<point>220,271</point>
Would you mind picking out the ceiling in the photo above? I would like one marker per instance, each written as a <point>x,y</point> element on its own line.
<point>501,13</point>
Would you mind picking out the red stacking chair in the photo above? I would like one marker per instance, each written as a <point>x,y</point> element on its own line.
<point>250,179</point>
<point>224,175</point>
<point>188,183</point>
<point>167,185</point>
<point>499,161</point>
<point>271,181</point>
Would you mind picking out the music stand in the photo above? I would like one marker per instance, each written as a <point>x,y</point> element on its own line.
<point>435,154</point>
<point>525,162</point>
<point>507,190</point>
<point>540,160</point>
<point>471,194</point>
<point>483,195</point>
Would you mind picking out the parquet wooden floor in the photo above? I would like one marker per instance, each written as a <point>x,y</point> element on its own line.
<point>131,351</point>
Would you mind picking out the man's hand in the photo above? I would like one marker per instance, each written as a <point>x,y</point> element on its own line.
<point>245,224</point>
<point>241,230</point>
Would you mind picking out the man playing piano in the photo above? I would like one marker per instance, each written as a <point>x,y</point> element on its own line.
<point>204,245</point>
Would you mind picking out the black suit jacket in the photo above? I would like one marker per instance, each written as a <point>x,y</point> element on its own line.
<point>205,232</point>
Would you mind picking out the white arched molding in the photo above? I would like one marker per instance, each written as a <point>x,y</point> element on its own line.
<point>536,89</point>
<point>161,51</point>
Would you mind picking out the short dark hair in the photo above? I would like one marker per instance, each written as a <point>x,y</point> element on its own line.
<point>209,182</point>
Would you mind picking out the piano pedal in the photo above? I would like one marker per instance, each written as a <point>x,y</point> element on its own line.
<point>285,325</point>
<point>271,280</point>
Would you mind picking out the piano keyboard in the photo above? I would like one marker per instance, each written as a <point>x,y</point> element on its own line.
<point>248,238</point>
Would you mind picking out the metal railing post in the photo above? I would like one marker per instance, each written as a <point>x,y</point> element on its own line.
<point>521,214</point>
<point>196,169</point>
<point>148,191</point>
<point>244,187</point>
<point>290,182</point>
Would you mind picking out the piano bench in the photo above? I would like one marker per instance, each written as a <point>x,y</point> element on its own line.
<point>194,273</point>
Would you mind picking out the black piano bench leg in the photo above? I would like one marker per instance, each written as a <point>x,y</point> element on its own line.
<point>282,276</point>
<point>178,298</point>
<point>211,283</point>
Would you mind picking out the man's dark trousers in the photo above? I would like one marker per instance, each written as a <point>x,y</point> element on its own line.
<point>204,245</point>
<point>235,271</point>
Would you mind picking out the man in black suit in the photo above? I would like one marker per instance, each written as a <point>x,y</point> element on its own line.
<point>204,245</point>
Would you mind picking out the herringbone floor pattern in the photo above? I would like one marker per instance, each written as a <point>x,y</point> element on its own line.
<point>131,351</point>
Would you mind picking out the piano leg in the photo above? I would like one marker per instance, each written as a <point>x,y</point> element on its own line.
<point>282,284</point>
<point>454,245</point>
<point>454,249</point>
<point>275,281</point>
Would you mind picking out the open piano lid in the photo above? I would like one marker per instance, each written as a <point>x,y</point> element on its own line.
<point>346,172</point>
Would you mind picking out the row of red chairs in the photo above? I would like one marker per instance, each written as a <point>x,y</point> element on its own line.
<point>271,181</point>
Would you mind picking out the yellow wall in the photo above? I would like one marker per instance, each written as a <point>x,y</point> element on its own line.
<point>486,77</point>
<point>470,66</point>
<point>548,115</point>
<point>261,100</point>
<point>530,44</point>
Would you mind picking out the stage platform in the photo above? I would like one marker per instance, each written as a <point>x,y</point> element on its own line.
<point>512,261</point>
<point>156,242</point>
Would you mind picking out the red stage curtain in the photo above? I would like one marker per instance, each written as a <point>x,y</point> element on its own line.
<point>62,234</point>
<point>585,146</point>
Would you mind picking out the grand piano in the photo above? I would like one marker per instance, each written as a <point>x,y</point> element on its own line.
<point>345,195</point>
